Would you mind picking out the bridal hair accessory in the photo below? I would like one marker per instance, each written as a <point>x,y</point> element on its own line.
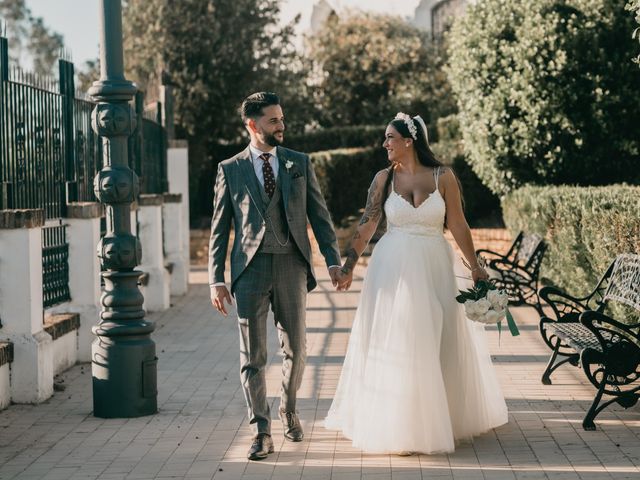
<point>410,124</point>
<point>419,119</point>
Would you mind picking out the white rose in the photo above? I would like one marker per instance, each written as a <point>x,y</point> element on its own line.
<point>470,308</point>
<point>483,305</point>
<point>491,317</point>
<point>503,299</point>
<point>501,313</point>
<point>494,297</point>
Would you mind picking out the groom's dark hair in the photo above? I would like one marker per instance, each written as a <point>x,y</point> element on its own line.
<point>252,105</point>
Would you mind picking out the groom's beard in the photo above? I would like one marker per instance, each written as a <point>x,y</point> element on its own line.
<point>270,139</point>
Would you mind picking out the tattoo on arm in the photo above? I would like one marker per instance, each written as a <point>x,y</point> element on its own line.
<point>373,208</point>
<point>352,259</point>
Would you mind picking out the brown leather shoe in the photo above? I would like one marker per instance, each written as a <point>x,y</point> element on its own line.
<point>291,425</point>
<point>261,447</point>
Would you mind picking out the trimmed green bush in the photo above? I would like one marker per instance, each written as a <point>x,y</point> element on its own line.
<point>547,92</point>
<point>585,227</point>
<point>345,176</point>
<point>481,205</point>
<point>448,129</point>
<point>634,6</point>
<point>337,137</point>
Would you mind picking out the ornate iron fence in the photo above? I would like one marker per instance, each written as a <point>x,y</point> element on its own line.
<point>49,154</point>
<point>55,265</point>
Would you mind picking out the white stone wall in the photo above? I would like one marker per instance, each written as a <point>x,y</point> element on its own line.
<point>5,387</point>
<point>178,175</point>
<point>65,352</point>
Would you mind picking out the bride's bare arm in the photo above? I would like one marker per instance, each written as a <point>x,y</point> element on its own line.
<point>369,221</point>
<point>457,223</point>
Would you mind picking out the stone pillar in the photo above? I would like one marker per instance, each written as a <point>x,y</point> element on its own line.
<point>156,277</point>
<point>172,226</point>
<point>178,175</point>
<point>83,220</point>
<point>21,305</point>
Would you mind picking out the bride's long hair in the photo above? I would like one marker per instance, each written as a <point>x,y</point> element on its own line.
<point>425,155</point>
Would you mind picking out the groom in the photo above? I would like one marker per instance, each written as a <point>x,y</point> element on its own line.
<point>268,193</point>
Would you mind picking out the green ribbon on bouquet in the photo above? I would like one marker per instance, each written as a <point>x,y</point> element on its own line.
<point>511,323</point>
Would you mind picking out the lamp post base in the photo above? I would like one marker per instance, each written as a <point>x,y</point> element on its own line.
<point>124,376</point>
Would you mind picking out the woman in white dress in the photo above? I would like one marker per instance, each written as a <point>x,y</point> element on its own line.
<point>417,376</point>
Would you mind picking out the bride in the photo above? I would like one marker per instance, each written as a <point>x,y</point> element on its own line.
<point>417,376</point>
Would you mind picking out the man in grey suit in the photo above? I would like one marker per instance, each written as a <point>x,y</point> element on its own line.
<point>268,193</point>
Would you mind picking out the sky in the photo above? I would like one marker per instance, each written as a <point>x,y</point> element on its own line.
<point>78,20</point>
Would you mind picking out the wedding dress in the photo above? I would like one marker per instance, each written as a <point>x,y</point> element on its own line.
<point>417,376</point>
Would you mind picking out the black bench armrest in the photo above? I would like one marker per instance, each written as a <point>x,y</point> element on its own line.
<point>565,307</point>
<point>509,268</point>
<point>617,365</point>
<point>609,330</point>
<point>490,253</point>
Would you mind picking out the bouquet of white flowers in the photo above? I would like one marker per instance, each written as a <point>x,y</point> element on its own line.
<point>485,303</point>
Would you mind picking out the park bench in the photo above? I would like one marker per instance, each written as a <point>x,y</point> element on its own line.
<point>608,350</point>
<point>517,271</point>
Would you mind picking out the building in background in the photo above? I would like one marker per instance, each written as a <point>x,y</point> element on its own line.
<point>433,16</point>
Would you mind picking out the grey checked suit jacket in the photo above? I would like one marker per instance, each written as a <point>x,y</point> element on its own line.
<point>238,200</point>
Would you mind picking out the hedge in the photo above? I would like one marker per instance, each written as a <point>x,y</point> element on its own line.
<point>481,205</point>
<point>335,138</point>
<point>345,175</point>
<point>547,92</point>
<point>585,227</point>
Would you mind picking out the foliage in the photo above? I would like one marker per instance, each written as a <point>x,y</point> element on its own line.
<point>481,205</point>
<point>546,92</point>
<point>448,128</point>
<point>88,74</point>
<point>29,36</point>
<point>634,6</point>
<point>215,54</point>
<point>368,67</point>
<point>337,137</point>
<point>585,227</point>
<point>345,175</point>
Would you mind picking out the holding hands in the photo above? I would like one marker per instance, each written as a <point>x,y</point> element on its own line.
<point>341,277</point>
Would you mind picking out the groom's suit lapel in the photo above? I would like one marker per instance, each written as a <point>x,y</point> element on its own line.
<point>248,174</point>
<point>284,176</point>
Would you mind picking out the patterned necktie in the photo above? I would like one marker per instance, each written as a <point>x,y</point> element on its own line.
<point>269,177</point>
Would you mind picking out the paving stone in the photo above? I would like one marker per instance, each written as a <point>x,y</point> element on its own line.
<point>201,432</point>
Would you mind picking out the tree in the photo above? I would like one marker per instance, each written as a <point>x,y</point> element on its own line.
<point>368,67</point>
<point>88,74</point>
<point>634,6</point>
<point>214,53</point>
<point>546,92</point>
<point>29,35</point>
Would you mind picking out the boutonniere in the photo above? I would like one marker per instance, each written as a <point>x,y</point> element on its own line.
<point>288,164</point>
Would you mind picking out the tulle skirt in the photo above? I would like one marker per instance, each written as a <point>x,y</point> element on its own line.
<point>417,375</point>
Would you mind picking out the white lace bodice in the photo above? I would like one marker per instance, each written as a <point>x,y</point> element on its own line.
<point>427,219</point>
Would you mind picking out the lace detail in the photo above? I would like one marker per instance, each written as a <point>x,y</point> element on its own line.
<point>427,219</point>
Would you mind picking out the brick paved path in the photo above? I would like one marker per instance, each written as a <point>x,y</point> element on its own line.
<point>200,431</point>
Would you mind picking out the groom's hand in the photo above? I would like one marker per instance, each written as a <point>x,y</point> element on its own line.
<point>218,296</point>
<point>334,273</point>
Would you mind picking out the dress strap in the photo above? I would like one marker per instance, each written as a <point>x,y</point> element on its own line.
<point>393,188</point>
<point>436,175</point>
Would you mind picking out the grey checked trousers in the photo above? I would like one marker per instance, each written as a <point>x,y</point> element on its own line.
<point>279,281</point>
